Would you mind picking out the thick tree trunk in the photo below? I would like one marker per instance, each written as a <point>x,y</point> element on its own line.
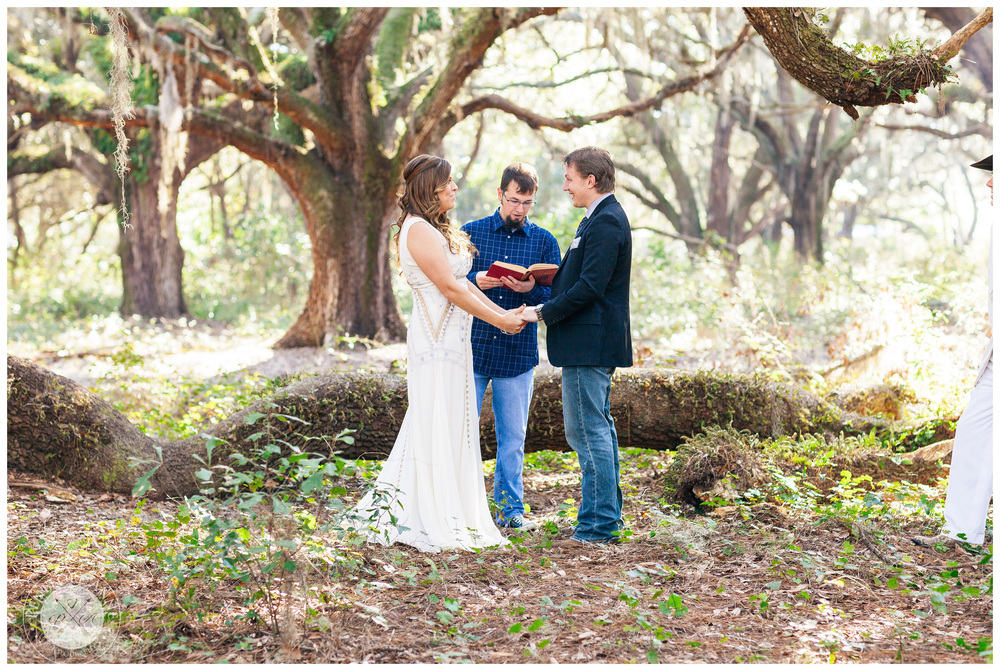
<point>57,428</point>
<point>806,224</point>
<point>718,196</point>
<point>351,288</point>
<point>151,255</point>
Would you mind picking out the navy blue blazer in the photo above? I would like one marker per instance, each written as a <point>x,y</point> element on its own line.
<point>587,317</point>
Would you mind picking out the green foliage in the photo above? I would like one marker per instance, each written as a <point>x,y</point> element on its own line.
<point>897,46</point>
<point>295,72</point>
<point>257,521</point>
<point>264,270</point>
<point>430,20</point>
<point>55,86</point>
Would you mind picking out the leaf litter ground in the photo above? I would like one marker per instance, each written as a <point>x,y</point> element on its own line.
<point>738,583</point>
<point>756,583</point>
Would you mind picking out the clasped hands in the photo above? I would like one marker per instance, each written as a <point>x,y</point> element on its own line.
<point>513,321</point>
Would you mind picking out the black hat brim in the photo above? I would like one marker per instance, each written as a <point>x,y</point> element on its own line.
<point>985,164</point>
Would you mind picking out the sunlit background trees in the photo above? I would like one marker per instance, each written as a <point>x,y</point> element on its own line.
<point>771,229</point>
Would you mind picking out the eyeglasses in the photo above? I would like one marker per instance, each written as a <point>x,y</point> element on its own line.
<point>516,203</point>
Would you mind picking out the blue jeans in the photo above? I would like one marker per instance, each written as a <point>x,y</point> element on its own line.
<point>511,399</point>
<point>590,431</point>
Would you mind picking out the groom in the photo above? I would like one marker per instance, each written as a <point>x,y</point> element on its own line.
<point>589,336</point>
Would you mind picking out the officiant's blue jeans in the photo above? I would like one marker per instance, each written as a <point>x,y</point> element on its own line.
<point>511,400</point>
<point>590,431</point>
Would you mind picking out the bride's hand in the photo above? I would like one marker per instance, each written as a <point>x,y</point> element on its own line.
<point>513,321</point>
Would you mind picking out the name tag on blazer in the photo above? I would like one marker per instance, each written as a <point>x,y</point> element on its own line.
<point>575,243</point>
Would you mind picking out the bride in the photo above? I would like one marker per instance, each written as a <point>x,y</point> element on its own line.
<point>431,492</point>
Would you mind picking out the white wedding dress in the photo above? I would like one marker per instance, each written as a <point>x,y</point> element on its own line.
<point>431,493</point>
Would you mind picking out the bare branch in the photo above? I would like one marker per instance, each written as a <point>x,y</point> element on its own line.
<point>684,238</point>
<point>566,124</point>
<point>954,44</point>
<point>659,201</point>
<point>979,129</point>
<point>552,85</point>
<point>470,47</point>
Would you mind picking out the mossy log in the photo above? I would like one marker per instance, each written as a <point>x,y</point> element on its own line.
<point>57,428</point>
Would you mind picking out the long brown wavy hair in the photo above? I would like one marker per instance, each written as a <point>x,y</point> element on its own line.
<point>423,178</point>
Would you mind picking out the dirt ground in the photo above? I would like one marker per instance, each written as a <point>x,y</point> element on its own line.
<point>760,584</point>
<point>755,583</point>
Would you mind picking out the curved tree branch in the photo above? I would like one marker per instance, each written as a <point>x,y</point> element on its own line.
<point>553,85</point>
<point>954,44</point>
<point>328,132</point>
<point>979,129</point>
<point>355,37</point>
<point>566,124</point>
<point>658,201</point>
<point>469,48</point>
<point>274,153</point>
<point>977,53</point>
<point>804,51</point>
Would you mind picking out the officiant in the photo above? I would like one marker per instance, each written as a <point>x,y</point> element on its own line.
<point>508,361</point>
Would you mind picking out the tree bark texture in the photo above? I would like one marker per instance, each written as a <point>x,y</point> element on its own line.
<point>351,287</point>
<point>57,428</point>
<point>807,54</point>
<point>150,250</point>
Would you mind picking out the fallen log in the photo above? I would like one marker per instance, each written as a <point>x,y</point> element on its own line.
<point>57,428</point>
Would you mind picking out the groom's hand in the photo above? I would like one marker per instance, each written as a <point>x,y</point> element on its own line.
<point>520,286</point>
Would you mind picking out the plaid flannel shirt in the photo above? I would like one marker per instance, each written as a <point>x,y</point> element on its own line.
<point>494,353</point>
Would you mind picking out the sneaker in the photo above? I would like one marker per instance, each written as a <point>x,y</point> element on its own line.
<point>574,543</point>
<point>519,523</point>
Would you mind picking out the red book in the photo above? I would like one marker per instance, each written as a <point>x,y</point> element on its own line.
<point>542,272</point>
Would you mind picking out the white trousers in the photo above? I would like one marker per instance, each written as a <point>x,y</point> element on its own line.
<point>970,483</point>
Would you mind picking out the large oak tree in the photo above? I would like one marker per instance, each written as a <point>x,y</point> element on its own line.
<point>360,92</point>
<point>69,77</point>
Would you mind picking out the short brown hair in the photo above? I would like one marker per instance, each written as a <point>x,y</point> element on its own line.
<point>594,161</point>
<point>523,175</point>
